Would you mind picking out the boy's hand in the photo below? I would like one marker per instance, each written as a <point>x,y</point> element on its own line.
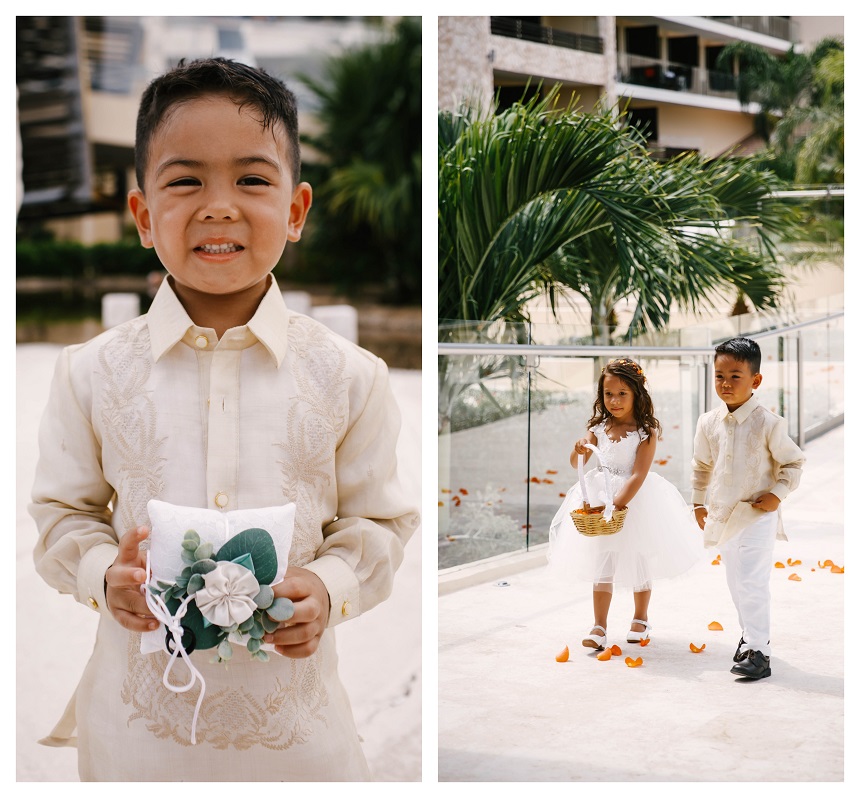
<point>701,514</point>
<point>300,636</point>
<point>122,584</point>
<point>768,502</point>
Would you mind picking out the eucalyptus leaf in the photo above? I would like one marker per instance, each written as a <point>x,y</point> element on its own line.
<point>282,609</point>
<point>188,557</point>
<point>261,655</point>
<point>203,566</point>
<point>186,573</point>
<point>246,625</point>
<point>265,597</point>
<point>181,582</point>
<point>189,545</point>
<point>258,543</point>
<point>163,585</point>
<point>269,624</point>
<point>257,630</point>
<point>204,551</point>
<point>194,584</point>
<point>192,536</point>
<point>254,645</point>
<point>225,650</point>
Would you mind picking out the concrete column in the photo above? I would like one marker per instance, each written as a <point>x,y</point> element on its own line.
<point>119,308</point>
<point>607,31</point>
<point>465,66</point>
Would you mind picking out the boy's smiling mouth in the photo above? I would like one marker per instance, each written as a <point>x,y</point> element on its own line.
<point>219,249</point>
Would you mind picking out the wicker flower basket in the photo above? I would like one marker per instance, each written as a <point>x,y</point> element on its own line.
<point>589,520</point>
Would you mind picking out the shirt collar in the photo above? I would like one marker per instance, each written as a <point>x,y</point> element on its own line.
<point>743,412</point>
<point>169,324</point>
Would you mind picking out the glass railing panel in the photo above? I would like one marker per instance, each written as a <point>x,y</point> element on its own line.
<point>823,374</point>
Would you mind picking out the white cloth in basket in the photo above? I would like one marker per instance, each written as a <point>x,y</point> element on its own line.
<point>659,538</point>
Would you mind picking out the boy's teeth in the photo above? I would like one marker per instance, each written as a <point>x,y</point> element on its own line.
<point>216,249</point>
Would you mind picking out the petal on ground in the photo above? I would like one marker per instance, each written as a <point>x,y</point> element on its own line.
<point>715,626</point>
<point>633,663</point>
<point>563,655</point>
<point>697,649</point>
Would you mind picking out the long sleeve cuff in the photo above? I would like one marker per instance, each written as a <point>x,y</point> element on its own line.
<point>342,585</point>
<point>780,490</point>
<point>699,496</point>
<point>91,576</point>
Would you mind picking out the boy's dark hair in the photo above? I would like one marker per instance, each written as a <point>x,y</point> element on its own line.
<point>643,408</point>
<point>243,84</point>
<point>743,349</point>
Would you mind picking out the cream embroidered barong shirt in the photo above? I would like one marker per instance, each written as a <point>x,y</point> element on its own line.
<point>279,410</point>
<point>738,457</point>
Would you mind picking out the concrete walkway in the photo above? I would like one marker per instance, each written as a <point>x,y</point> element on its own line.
<point>509,712</point>
<point>379,653</point>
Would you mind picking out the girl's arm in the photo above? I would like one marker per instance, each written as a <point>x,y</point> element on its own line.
<point>579,448</point>
<point>641,466</point>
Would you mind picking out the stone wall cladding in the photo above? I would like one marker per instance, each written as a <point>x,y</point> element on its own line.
<point>465,71</point>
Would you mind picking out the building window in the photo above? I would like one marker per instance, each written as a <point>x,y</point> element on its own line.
<point>645,119</point>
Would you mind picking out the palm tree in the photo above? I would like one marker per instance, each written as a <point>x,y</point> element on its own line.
<point>801,105</point>
<point>367,222</point>
<point>539,198</point>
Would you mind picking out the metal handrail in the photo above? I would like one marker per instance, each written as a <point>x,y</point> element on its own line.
<point>600,351</point>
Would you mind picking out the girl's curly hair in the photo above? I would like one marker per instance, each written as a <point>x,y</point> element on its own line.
<point>643,408</point>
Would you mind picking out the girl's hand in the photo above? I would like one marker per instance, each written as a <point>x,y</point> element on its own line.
<point>580,446</point>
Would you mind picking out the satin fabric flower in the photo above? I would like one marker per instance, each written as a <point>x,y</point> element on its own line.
<point>228,595</point>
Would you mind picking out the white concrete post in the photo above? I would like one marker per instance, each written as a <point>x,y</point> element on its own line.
<point>342,319</point>
<point>119,308</point>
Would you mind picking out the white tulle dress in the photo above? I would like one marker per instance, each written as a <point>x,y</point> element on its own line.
<point>659,539</point>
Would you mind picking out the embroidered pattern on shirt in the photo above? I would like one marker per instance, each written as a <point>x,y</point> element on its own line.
<point>234,715</point>
<point>128,420</point>
<point>315,418</point>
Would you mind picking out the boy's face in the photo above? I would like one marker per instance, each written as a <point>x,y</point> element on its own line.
<point>220,204</point>
<point>734,380</point>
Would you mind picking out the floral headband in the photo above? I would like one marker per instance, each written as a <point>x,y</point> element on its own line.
<point>626,361</point>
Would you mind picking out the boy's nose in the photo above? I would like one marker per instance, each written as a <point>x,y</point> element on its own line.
<point>218,206</point>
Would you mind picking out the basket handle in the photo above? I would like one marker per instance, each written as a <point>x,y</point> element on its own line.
<point>610,507</point>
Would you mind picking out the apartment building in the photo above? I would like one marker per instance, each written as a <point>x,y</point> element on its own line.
<point>662,69</point>
<point>79,84</point>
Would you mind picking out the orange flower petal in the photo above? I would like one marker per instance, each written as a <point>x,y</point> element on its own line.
<point>835,569</point>
<point>604,655</point>
<point>451,538</point>
<point>633,663</point>
<point>697,649</point>
<point>446,490</point>
<point>812,569</point>
<point>792,563</point>
<point>551,471</point>
<point>547,481</point>
<point>563,655</point>
<point>441,504</point>
<point>825,563</point>
<point>794,578</point>
<point>456,501</point>
<point>616,651</point>
<point>536,480</point>
<point>715,562</point>
<point>464,491</point>
<point>662,462</point>
<point>562,495</point>
<point>645,642</point>
<point>715,626</point>
<point>778,565</point>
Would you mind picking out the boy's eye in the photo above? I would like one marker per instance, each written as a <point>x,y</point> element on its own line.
<point>254,180</point>
<point>185,181</point>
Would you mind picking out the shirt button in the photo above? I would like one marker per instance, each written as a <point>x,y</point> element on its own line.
<point>221,499</point>
<point>346,608</point>
<point>93,603</point>
<point>201,342</point>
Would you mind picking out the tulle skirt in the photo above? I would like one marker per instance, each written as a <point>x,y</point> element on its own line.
<point>659,539</point>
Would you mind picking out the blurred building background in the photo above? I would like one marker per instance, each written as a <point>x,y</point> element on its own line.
<point>665,67</point>
<point>79,82</point>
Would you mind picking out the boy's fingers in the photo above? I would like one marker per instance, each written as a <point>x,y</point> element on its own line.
<point>134,622</point>
<point>119,576</point>
<point>128,545</point>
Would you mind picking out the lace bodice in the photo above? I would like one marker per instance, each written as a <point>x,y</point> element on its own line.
<point>620,455</point>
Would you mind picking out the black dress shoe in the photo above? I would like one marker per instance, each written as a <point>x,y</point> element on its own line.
<point>755,665</point>
<point>738,656</point>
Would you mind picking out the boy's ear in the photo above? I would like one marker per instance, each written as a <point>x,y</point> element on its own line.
<point>757,378</point>
<point>140,212</point>
<point>299,207</point>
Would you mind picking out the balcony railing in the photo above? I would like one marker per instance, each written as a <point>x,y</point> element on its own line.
<point>642,71</point>
<point>778,27</point>
<point>531,32</point>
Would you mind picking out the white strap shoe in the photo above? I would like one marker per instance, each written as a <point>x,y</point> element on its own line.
<point>637,637</point>
<point>595,641</point>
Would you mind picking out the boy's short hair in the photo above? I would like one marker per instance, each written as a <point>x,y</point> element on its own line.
<point>744,349</point>
<point>245,85</point>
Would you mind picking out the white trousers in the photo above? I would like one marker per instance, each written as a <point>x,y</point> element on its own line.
<point>748,560</point>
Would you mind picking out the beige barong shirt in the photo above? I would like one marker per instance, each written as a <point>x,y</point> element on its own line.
<point>738,457</point>
<point>279,410</point>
